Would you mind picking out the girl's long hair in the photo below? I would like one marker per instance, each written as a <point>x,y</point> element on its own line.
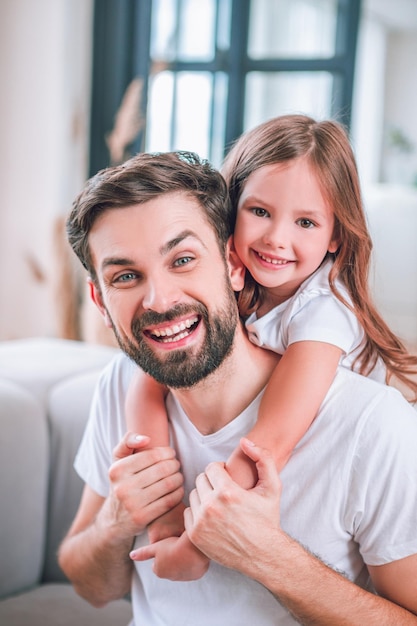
<point>326,146</point>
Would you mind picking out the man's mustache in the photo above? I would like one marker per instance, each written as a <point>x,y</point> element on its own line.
<point>152,318</point>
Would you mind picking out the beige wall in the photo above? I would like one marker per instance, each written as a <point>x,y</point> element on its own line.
<point>45,63</point>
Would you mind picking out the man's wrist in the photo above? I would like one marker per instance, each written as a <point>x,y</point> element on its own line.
<point>112,529</point>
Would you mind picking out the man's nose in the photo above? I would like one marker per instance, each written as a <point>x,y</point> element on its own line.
<point>161,294</point>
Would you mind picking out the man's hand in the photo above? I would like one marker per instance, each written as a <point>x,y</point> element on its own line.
<point>225,521</point>
<point>144,485</point>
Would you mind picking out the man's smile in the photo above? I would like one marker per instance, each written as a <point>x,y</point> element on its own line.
<point>175,332</point>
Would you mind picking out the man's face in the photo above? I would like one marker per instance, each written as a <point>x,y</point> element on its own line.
<point>164,288</point>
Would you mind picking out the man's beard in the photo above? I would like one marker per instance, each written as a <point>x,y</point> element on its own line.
<point>184,368</point>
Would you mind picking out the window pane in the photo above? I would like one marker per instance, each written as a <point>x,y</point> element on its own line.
<point>196,32</point>
<point>270,94</point>
<point>163,44</point>
<point>292,28</point>
<point>186,34</point>
<point>180,112</point>
<point>218,118</point>
<point>159,112</point>
<point>224,8</point>
<point>192,123</point>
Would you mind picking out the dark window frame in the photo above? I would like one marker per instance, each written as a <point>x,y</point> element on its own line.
<point>121,44</point>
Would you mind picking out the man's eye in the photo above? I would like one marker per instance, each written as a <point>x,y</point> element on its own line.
<point>260,212</point>
<point>184,260</point>
<point>305,223</point>
<point>125,278</point>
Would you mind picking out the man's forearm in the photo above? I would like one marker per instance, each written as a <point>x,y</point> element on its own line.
<point>97,562</point>
<point>315,594</point>
<point>143,486</point>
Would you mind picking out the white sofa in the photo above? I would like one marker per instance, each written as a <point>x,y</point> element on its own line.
<point>392,218</point>
<point>46,386</point>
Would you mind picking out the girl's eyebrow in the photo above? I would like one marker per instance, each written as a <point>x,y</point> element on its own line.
<point>312,213</point>
<point>251,199</point>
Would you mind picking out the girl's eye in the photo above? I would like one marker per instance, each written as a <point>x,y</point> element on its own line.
<point>305,223</point>
<point>182,261</point>
<point>260,212</point>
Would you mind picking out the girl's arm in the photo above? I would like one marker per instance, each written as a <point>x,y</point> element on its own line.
<point>176,558</point>
<point>146,415</point>
<point>145,409</point>
<point>290,403</point>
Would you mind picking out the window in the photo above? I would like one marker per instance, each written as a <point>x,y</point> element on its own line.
<point>197,73</point>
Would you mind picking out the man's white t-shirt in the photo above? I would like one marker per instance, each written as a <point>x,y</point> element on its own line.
<point>349,494</point>
<point>313,313</point>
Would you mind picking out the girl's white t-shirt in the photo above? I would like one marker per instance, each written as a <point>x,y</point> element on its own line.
<point>349,493</point>
<point>313,313</point>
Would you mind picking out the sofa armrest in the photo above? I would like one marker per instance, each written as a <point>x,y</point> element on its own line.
<point>68,410</point>
<point>24,465</point>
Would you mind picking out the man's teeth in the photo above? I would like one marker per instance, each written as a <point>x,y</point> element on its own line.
<point>273,261</point>
<point>176,332</point>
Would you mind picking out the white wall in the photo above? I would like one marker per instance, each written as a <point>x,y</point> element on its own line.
<point>367,106</point>
<point>400,98</point>
<point>385,96</point>
<point>45,63</point>
<point>385,91</point>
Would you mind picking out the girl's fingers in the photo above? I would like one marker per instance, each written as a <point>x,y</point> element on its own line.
<point>130,443</point>
<point>265,465</point>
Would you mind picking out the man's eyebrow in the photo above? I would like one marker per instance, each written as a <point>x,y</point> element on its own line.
<point>172,243</point>
<point>164,249</point>
<point>116,261</point>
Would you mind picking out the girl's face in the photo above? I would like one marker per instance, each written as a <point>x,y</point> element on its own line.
<point>284,227</point>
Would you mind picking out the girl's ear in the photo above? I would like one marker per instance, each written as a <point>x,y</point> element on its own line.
<point>236,267</point>
<point>95,295</point>
<point>333,245</point>
<point>335,241</point>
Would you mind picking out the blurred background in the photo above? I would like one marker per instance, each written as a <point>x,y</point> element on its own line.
<point>87,83</point>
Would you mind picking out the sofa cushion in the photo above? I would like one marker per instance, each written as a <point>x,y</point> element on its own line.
<point>59,605</point>
<point>39,363</point>
<point>24,453</point>
<point>68,410</point>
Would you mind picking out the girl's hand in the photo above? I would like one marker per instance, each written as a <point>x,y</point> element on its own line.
<point>171,524</point>
<point>175,558</point>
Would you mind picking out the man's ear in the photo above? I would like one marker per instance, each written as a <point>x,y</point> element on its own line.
<point>236,268</point>
<point>95,295</point>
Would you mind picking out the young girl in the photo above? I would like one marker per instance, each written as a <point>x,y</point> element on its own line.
<point>301,233</point>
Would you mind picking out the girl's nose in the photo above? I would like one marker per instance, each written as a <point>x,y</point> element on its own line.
<point>275,236</point>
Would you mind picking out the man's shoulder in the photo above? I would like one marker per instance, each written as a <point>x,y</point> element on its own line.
<point>118,373</point>
<point>120,363</point>
<point>361,396</point>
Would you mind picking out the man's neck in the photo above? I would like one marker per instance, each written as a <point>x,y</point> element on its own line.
<point>222,396</point>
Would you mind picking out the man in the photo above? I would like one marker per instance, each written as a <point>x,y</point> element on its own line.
<point>153,235</point>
